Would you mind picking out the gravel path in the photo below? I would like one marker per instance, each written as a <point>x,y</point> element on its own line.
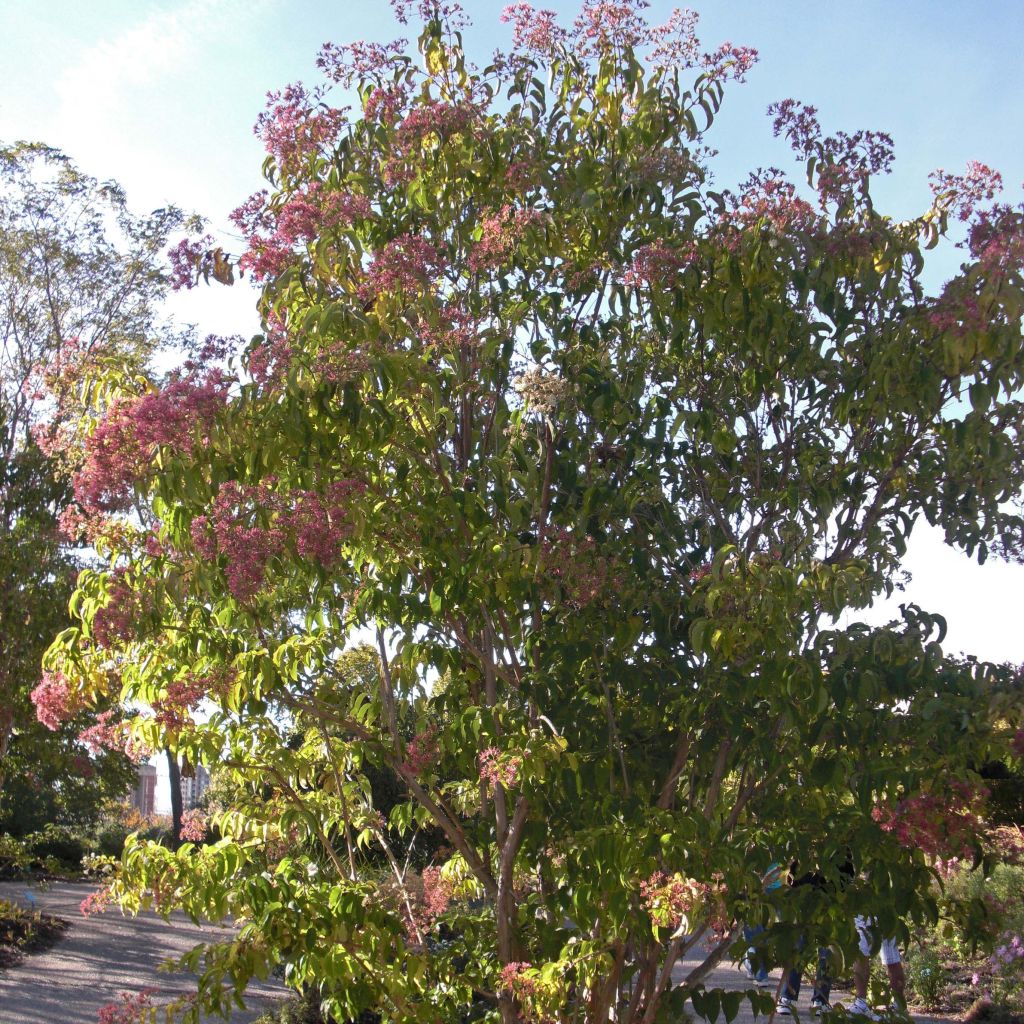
<point>99,958</point>
<point>106,954</point>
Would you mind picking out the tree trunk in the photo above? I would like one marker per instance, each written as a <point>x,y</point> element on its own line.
<point>174,774</point>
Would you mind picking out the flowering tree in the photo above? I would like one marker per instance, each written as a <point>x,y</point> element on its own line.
<point>80,283</point>
<point>598,457</point>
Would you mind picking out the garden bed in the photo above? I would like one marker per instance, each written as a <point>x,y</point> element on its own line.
<point>24,932</point>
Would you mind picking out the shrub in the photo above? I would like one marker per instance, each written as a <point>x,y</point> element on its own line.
<point>925,975</point>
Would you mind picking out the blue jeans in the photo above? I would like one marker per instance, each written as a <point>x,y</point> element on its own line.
<point>757,965</point>
<point>822,980</point>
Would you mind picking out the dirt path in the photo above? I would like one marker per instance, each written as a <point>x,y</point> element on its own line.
<point>99,958</point>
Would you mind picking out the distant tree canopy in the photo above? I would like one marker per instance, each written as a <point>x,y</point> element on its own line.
<point>81,283</point>
<point>604,460</point>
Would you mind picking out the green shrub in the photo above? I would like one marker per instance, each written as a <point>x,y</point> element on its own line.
<point>985,907</point>
<point>926,975</point>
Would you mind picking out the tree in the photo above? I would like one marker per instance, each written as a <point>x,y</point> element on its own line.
<point>609,453</point>
<point>81,282</point>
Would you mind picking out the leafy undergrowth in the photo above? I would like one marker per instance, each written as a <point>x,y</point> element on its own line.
<point>23,932</point>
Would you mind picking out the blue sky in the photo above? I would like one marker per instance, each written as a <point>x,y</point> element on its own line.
<point>162,96</point>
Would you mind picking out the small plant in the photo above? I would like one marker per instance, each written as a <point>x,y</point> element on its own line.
<point>926,975</point>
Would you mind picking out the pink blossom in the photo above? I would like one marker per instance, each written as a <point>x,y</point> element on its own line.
<point>534,32</point>
<point>996,239</point>
<point>117,621</point>
<point>105,733</point>
<point>185,259</point>
<point>658,264</point>
<point>729,61</point>
<point>606,25</point>
<point>297,126</point>
<point>675,44</point>
<point>421,752</point>
<point>500,235</point>
<point>405,264</point>
<point>54,702</point>
<point>132,1009</point>
<point>121,449</point>
<point>193,826</point>
<point>96,902</point>
<point>360,60</point>
<point>768,199</point>
<point>514,979</point>
<point>437,893</point>
<point>497,770</point>
<point>447,12</point>
<point>963,193</point>
<point>939,826</point>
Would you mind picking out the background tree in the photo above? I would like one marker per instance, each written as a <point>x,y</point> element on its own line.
<point>81,283</point>
<point>613,455</point>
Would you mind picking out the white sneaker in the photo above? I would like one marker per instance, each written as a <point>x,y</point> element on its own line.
<point>747,969</point>
<point>784,1007</point>
<point>820,1006</point>
<point>860,1008</point>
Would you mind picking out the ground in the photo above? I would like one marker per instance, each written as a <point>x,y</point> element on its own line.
<point>103,955</point>
<point>99,958</point>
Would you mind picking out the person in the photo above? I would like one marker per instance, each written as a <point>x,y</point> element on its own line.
<point>889,954</point>
<point>760,976</point>
<point>822,988</point>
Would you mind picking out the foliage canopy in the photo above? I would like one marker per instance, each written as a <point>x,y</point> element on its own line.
<point>600,458</point>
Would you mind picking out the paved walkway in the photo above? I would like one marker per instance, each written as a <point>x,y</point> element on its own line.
<point>107,954</point>
<point>99,958</point>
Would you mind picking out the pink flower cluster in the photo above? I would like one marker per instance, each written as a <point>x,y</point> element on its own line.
<point>657,263</point>
<point>767,198</point>
<point>501,233</point>
<point>185,259</point>
<point>120,451</point>
<point>534,32</point>
<point>271,237</point>
<point>132,1009</point>
<point>360,60</point>
<point>421,752</point>
<point>193,826</point>
<point>249,526</point>
<point>607,26</point>
<point>668,899</point>
<point>117,621</point>
<point>497,770</point>
<point>1009,952</point>
<point>54,702</point>
<point>106,733</point>
<point>96,902</point>
<point>296,126</point>
<point>457,330</point>
<point>996,240</point>
<point>173,710</point>
<point>269,361</point>
<point>404,264</point>
<point>940,826</point>
<point>437,894</point>
<point>845,160</point>
<point>426,124</point>
<point>962,194</point>
<point>514,979</point>
<point>385,104</point>
<point>447,12</point>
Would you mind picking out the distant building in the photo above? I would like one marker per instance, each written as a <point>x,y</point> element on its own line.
<point>144,794</point>
<point>192,790</point>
